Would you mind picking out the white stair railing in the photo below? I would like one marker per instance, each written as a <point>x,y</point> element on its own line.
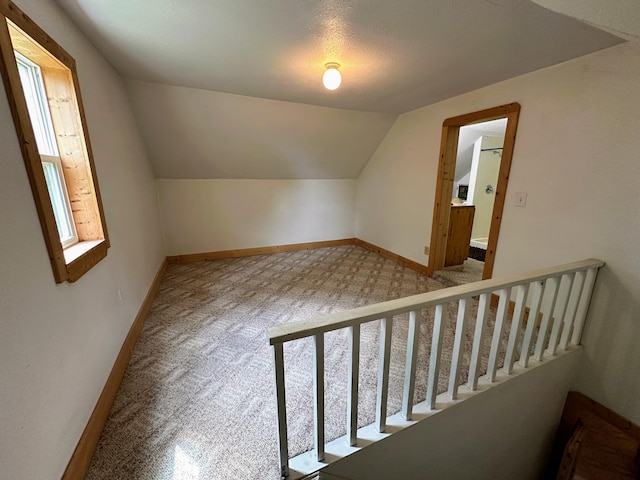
<point>560,294</point>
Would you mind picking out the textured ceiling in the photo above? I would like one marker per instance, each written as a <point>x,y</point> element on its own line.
<point>232,88</point>
<point>395,55</point>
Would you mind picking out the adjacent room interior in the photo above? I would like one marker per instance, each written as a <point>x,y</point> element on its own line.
<point>475,183</point>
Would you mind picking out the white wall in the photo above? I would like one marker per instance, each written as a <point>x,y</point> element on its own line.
<point>212,215</point>
<point>502,433</point>
<point>576,154</point>
<point>58,342</point>
<point>485,168</point>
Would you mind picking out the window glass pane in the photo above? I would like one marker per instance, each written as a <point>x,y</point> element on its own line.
<point>36,97</point>
<point>56,193</point>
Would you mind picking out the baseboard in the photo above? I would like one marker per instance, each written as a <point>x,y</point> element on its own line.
<point>294,247</point>
<point>405,262</point>
<point>81,458</point>
<point>249,252</point>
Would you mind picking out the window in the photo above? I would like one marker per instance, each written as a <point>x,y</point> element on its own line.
<point>40,115</point>
<point>44,96</point>
<point>36,97</point>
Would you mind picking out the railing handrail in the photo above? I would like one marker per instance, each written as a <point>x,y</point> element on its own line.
<point>557,297</point>
<point>357,316</point>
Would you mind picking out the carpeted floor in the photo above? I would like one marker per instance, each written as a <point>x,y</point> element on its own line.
<point>197,400</point>
<point>470,271</point>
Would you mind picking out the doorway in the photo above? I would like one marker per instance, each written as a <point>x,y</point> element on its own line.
<point>441,233</point>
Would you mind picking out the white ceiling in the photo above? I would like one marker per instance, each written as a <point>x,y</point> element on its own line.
<point>395,55</point>
<point>232,88</point>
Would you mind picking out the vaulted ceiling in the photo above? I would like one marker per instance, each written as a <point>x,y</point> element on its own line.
<point>395,56</point>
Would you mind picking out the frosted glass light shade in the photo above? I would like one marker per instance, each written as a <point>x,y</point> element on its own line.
<point>332,78</point>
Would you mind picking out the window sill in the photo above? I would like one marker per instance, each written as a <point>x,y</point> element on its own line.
<point>83,256</point>
<point>78,249</point>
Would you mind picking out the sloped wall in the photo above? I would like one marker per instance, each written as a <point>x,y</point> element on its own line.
<point>58,342</point>
<point>576,154</point>
<point>200,134</point>
<point>240,172</point>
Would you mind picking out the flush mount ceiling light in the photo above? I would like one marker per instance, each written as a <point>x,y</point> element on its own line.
<point>332,78</point>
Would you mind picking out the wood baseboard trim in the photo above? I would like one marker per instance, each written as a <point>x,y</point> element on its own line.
<point>405,262</point>
<point>249,252</point>
<point>81,458</point>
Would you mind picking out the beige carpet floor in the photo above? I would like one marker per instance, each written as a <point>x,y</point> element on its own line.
<point>198,401</point>
<point>470,271</point>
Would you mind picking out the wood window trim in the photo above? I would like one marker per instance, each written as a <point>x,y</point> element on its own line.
<point>61,69</point>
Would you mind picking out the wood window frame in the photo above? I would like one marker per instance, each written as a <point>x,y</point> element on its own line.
<point>19,32</point>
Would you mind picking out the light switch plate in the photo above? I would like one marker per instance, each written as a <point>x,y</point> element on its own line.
<point>521,199</point>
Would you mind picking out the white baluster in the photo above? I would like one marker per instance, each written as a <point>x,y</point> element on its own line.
<point>583,306</point>
<point>572,307</point>
<point>498,331</point>
<point>478,340</point>
<point>318,393</point>
<point>281,408</point>
<point>386,327</point>
<point>410,364</point>
<point>532,321</point>
<point>559,313</point>
<point>352,391</point>
<point>514,334</point>
<point>458,345</point>
<point>434,360</point>
<point>551,293</point>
